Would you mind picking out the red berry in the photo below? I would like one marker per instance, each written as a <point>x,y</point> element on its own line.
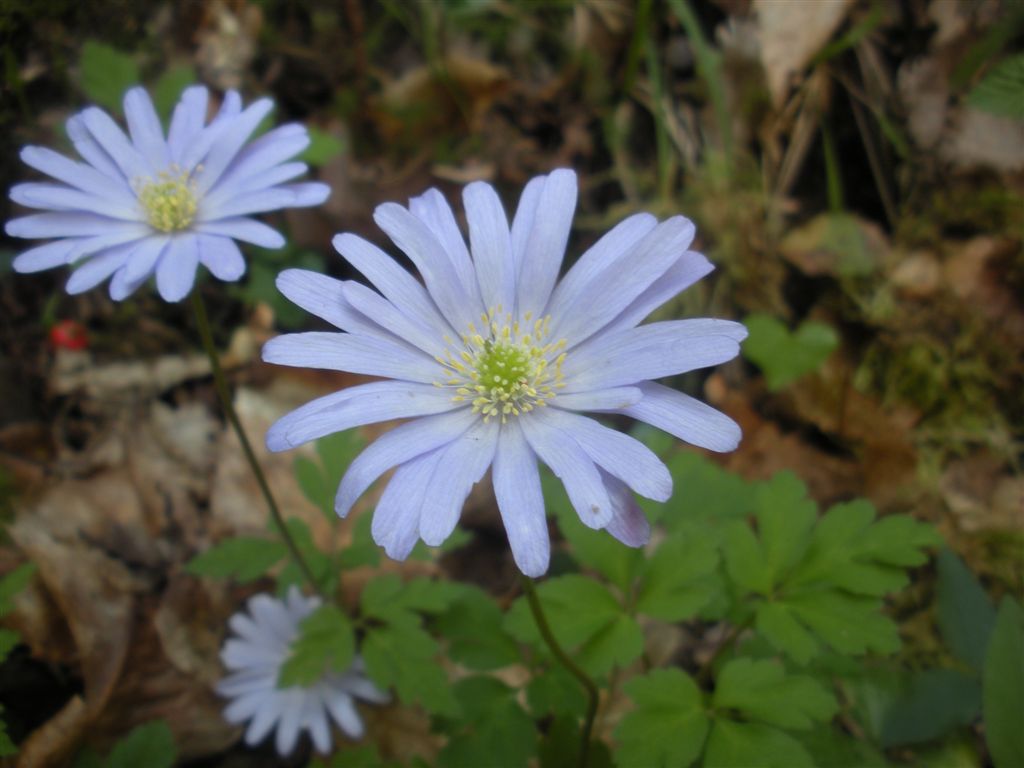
<point>69,334</point>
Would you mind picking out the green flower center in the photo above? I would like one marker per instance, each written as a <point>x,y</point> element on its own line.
<point>169,202</point>
<point>504,371</point>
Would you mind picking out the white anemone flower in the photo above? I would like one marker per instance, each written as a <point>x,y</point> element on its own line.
<point>493,361</point>
<point>261,644</point>
<point>146,204</point>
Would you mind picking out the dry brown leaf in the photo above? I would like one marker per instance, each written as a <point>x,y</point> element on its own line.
<point>792,32</point>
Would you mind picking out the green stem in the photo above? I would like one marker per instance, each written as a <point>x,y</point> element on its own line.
<point>221,384</point>
<point>563,658</point>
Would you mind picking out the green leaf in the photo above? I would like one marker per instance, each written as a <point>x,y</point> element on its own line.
<point>761,690</point>
<point>785,518</point>
<point>668,727</point>
<point>365,756</point>
<point>314,485</point>
<point>930,704</point>
<point>556,692</point>
<point>731,745</point>
<point>584,616</point>
<point>168,89</point>
<point>784,631</point>
<point>745,561</point>
<point>493,730</point>
<point>712,497</point>
<point>325,644</point>
<point>850,624</point>
<point>832,748</point>
<point>1003,697</point>
<point>318,562</point>
<point>1002,90</point>
<point>243,559</point>
<point>679,579</point>
<point>785,356</point>
<point>390,599</point>
<point>323,147</point>
<point>402,655</point>
<point>362,550</point>
<point>151,745</point>
<point>472,626</point>
<point>9,639</point>
<point>106,74</point>
<point>7,747</point>
<point>13,584</point>
<point>965,612</point>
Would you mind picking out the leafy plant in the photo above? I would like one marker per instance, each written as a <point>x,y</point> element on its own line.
<point>785,356</point>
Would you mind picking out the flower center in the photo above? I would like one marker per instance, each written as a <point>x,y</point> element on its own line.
<point>504,369</point>
<point>169,201</point>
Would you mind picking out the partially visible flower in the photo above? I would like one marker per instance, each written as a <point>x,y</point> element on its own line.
<point>149,205</point>
<point>494,359</point>
<point>69,334</point>
<point>255,654</point>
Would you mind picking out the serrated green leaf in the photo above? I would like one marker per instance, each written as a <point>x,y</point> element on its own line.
<point>325,643</point>
<point>402,655</point>
<point>390,599</point>
<point>472,626</point>
<point>785,356</point>
<point>731,745</point>
<point>106,74</point>
<point>678,580</point>
<point>338,450</point>
<point>151,745</point>
<point>13,584</point>
<point>744,559</point>
<point>323,147</point>
<point>1001,92</point>
<point>314,485</point>
<point>556,692</point>
<point>850,624</point>
<point>831,748</point>
<point>584,616</point>
<point>319,563</point>
<point>965,612</point>
<point>668,727</point>
<point>762,691</point>
<point>495,731</point>
<point>785,518</point>
<point>1003,696</point>
<point>363,550</point>
<point>243,559</point>
<point>713,497</point>
<point>778,625</point>
<point>169,87</point>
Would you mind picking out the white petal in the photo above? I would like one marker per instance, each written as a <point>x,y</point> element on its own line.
<point>98,268</point>
<point>686,418</point>
<point>113,141</point>
<point>244,229</point>
<point>401,444</point>
<point>520,500</point>
<point>462,464</point>
<point>570,463</point>
<point>491,246</point>
<point>353,353</point>
<point>522,223</point>
<point>396,520</point>
<point>545,247</point>
<point>221,256</point>
<point>384,313</point>
<point>433,210</point>
<point>176,270</point>
<point>598,399</point>
<point>144,128</point>
<point>618,454</point>
<point>344,712</point>
<point>187,121</point>
<point>400,288</point>
<point>322,296</point>
<point>419,244</point>
<point>690,268</point>
<point>628,524</point>
<point>356,406</point>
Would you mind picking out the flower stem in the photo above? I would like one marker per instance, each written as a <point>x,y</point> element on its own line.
<point>221,384</point>
<point>564,659</point>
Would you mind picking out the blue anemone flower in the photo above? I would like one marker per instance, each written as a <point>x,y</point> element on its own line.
<point>493,360</point>
<point>146,204</point>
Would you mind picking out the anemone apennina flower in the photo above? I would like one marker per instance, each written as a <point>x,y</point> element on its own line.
<point>254,655</point>
<point>493,359</point>
<point>146,204</point>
